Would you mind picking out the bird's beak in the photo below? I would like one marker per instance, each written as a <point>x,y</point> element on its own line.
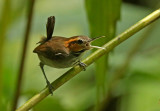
<point>97,47</point>
<point>96,38</point>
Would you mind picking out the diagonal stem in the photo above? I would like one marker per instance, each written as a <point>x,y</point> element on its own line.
<point>89,60</point>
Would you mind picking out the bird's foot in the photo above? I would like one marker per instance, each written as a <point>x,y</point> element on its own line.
<point>83,65</point>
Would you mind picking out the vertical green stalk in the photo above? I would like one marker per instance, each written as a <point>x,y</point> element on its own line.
<point>4,22</point>
<point>102,17</point>
<point>24,49</point>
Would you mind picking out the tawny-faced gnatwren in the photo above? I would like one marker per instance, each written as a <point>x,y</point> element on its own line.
<point>61,52</point>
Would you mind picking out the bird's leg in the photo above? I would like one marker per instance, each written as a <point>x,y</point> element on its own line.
<point>83,65</point>
<point>50,87</point>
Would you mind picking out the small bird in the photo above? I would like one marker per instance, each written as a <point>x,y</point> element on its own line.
<point>61,52</point>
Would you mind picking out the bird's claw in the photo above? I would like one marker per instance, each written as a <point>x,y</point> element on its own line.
<point>83,65</point>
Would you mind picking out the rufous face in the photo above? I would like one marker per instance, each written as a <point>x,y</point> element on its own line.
<point>78,43</point>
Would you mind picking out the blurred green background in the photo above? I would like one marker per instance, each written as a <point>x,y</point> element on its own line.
<point>138,90</point>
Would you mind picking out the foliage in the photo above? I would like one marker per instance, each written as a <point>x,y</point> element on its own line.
<point>102,17</point>
<point>139,89</point>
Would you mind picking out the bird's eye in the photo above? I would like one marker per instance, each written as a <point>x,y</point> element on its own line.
<point>79,41</point>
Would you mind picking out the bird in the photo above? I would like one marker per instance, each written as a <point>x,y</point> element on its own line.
<point>61,52</point>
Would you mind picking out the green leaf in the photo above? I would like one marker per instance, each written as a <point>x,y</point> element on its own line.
<point>102,17</point>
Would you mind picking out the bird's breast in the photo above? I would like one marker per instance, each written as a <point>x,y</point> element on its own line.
<point>60,62</point>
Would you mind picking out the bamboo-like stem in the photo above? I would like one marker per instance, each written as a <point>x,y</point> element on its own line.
<point>24,50</point>
<point>89,60</point>
<point>120,72</point>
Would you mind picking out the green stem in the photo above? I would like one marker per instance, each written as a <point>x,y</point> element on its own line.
<point>23,56</point>
<point>89,60</point>
<point>120,72</point>
<point>4,23</point>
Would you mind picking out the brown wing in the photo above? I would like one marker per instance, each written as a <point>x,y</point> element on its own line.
<point>50,27</point>
<point>53,47</point>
